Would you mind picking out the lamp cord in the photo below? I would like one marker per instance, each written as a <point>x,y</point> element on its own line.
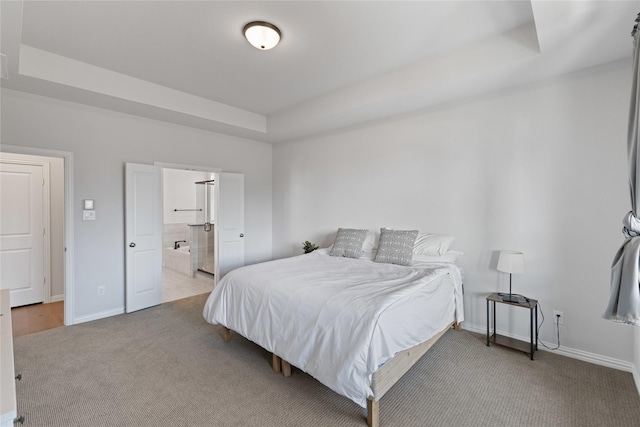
<point>557,329</point>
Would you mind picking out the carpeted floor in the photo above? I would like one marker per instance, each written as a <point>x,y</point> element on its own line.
<point>165,366</point>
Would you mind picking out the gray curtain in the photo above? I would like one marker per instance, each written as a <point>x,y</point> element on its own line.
<point>624,302</point>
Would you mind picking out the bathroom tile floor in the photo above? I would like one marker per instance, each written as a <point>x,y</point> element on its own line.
<point>177,285</point>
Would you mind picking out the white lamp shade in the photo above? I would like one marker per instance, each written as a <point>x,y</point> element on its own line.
<point>262,35</point>
<point>511,262</point>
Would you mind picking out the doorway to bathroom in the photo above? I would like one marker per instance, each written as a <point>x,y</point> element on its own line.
<point>145,248</point>
<point>189,221</point>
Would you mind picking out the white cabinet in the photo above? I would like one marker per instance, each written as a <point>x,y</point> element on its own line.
<point>8,406</point>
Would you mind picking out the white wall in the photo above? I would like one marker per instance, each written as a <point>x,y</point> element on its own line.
<point>540,168</point>
<point>179,192</point>
<point>101,142</point>
<point>56,218</point>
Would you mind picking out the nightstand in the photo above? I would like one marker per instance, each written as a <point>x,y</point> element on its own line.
<point>529,348</point>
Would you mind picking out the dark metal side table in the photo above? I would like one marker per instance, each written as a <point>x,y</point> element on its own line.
<point>529,348</point>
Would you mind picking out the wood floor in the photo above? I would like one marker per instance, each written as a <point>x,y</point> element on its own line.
<point>37,317</point>
<point>40,317</point>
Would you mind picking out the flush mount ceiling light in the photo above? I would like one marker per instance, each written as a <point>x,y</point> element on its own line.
<point>262,35</point>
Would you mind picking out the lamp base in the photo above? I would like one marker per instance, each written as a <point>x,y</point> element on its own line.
<point>510,298</point>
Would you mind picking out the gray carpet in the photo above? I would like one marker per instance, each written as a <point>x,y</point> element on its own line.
<point>165,366</point>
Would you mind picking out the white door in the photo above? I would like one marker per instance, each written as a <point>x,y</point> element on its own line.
<point>230,222</point>
<point>143,234</point>
<point>22,233</point>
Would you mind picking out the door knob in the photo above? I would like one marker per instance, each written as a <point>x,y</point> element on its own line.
<point>241,234</point>
<point>132,245</point>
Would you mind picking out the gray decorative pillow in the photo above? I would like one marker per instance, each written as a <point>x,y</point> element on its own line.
<point>396,246</point>
<point>348,243</point>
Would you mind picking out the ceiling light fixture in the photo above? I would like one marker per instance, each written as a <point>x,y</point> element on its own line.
<point>262,35</point>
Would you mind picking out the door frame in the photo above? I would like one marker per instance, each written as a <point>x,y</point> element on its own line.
<point>46,219</point>
<point>67,156</point>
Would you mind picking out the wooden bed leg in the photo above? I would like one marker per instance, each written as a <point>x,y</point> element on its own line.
<point>286,368</point>
<point>457,326</point>
<point>373,413</point>
<point>226,334</point>
<point>276,362</point>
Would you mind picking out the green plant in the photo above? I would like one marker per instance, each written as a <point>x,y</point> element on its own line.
<point>309,247</point>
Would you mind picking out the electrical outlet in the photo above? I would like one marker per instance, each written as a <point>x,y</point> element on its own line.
<point>100,291</point>
<point>558,317</point>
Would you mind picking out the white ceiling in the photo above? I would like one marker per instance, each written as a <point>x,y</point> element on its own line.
<point>339,63</point>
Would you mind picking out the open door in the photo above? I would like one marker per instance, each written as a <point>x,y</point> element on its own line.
<point>143,234</point>
<point>230,222</point>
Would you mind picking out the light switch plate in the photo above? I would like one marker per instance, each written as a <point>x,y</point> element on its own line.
<point>89,215</point>
<point>88,204</point>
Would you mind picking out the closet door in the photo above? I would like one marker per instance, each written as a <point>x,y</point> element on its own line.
<point>22,232</point>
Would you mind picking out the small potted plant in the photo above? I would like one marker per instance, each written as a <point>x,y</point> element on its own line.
<point>309,247</point>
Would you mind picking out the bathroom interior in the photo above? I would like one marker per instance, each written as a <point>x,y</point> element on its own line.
<point>188,233</point>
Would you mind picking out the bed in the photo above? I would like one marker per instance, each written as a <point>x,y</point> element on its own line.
<point>353,324</point>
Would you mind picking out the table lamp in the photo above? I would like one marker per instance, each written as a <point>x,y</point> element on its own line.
<point>510,262</point>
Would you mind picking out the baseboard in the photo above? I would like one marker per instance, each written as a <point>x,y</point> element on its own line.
<point>56,298</point>
<point>636,377</point>
<point>100,315</point>
<point>585,356</point>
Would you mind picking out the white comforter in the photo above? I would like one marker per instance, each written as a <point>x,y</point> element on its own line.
<point>337,319</point>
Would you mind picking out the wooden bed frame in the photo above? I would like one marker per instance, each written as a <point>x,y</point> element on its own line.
<point>383,379</point>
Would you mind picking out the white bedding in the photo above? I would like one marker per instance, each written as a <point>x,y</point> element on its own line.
<point>337,319</point>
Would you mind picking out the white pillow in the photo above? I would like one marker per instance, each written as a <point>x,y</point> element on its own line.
<point>371,241</point>
<point>432,244</point>
<point>324,251</point>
